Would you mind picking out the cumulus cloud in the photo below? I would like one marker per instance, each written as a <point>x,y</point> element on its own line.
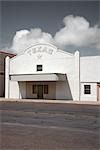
<point>25,38</point>
<point>75,32</point>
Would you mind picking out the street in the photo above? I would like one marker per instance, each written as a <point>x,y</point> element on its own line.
<point>42,126</point>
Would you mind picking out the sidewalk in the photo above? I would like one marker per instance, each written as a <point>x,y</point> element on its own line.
<point>52,101</point>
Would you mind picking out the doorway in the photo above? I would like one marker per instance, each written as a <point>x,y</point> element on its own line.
<point>40,91</point>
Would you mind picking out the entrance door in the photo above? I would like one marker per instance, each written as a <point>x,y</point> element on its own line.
<point>40,91</point>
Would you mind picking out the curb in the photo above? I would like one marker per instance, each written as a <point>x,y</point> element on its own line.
<point>51,101</point>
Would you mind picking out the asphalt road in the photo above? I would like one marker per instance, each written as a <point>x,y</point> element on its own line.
<point>39,126</point>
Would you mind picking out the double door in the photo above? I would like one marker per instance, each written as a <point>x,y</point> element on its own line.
<point>40,91</point>
<point>35,90</point>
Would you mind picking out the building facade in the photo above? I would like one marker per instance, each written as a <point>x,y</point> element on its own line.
<point>2,71</point>
<point>43,71</point>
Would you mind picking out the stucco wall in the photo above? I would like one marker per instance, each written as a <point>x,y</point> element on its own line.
<point>14,89</point>
<point>22,89</point>
<point>63,91</point>
<point>50,65</point>
<point>89,75</point>
<point>90,69</point>
<point>89,97</point>
<point>56,62</point>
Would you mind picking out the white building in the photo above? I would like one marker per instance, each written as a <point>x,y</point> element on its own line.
<point>43,71</point>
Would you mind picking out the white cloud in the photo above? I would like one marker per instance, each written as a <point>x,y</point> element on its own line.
<point>76,32</point>
<point>25,38</point>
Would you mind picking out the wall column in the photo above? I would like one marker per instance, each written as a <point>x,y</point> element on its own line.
<point>7,67</point>
<point>77,76</point>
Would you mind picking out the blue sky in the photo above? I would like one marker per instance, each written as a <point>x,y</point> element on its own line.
<point>47,16</point>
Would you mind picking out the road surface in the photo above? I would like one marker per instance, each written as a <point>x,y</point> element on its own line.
<point>41,126</point>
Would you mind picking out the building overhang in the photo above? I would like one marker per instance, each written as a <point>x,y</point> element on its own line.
<point>39,77</point>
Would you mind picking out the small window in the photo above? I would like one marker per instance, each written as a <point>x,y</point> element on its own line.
<point>45,89</point>
<point>87,89</point>
<point>39,67</point>
<point>34,89</point>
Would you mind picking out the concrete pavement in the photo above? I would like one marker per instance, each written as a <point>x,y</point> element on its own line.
<point>49,126</point>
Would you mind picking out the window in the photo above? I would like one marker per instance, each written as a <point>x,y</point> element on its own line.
<point>87,89</point>
<point>39,67</point>
<point>34,89</point>
<point>45,89</point>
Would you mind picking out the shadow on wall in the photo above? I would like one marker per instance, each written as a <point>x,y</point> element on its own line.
<point>22,89</point>
<point>63,90</point>
<point>68,90</point>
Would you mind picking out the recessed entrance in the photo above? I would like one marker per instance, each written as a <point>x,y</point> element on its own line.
<point>40,91</point>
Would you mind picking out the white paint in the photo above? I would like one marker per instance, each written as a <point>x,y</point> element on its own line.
<point>54,63</point>
<point>99,93</point>
<point>89,97</point>
<point>7,68</point>
<point>59,62</point>
<point>76,76</point>
<point>22,89</point>
<point>63,91</point>
<point>14,89</point>
<point>72,71</point>
<point>38,77</point>
<point>90,69</point>
<point>90,74</point>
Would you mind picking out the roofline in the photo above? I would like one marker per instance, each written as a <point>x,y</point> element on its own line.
<point>2,52</point>
<point>47,44</point>
<point>90,56</point>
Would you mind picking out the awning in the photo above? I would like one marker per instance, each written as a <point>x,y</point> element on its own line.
<point>39,77</point>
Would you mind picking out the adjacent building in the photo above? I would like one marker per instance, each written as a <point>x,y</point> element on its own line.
<point>2,71</point>
<point>43,71</point>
